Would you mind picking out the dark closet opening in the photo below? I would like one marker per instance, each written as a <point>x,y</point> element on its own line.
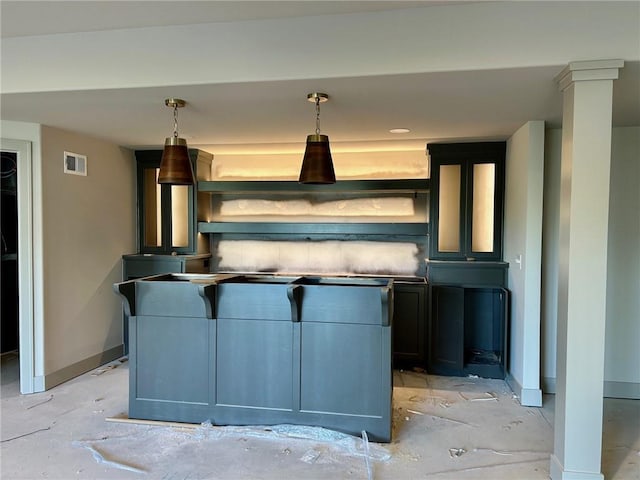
<point>9,248</point>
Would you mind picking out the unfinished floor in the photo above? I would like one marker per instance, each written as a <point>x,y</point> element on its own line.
<point>444,428</point>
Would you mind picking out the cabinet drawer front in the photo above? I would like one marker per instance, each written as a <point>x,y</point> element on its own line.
<point>343,304</point>
<point>143,268</point>
<point>169,299</point>
<point>247,301</point>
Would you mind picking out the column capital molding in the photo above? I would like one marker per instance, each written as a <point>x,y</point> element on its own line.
<point>588,70</point>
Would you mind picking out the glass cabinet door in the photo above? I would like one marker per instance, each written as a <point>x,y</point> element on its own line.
<point>466,216</point>
<point>151,220</point>
<point>165,212</point>
<point>483,188</point>
<point>449,214</point>
<point>180,215</point>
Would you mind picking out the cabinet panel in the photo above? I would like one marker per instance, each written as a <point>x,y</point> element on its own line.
<point>355,356</point>
<point>169,376</point>
<point>171,358</point>
<point>255,364</point>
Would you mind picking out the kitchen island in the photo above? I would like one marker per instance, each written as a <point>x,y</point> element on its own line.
<point>261,350</point>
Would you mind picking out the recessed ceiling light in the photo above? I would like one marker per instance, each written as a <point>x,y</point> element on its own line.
<point>399,130</point>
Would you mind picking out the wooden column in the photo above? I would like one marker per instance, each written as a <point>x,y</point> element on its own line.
<point>582,282</point>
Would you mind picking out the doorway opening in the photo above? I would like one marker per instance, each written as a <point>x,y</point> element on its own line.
<point>9,323</point>
<point>22,323</point>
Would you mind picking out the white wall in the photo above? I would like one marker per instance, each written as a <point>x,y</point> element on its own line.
<point>622,356</point>
<point>88,223</point>
<point>286,166</point>
<point>622,339</point>
<point>523,251</point>
<point>550,256</point>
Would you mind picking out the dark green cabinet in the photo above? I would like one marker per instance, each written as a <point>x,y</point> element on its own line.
<point>168,215</point>
<point>145,265</point>
<point>409,324</point>
<point>468,331</point>
<point>467,181</point>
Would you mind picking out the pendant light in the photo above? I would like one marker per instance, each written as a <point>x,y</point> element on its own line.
<point>175,166</point>
<point>317,166</point>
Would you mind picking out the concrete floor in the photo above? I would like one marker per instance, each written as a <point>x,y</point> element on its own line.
<point>444,428</point>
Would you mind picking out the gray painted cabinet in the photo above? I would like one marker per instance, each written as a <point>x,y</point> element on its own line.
<point>171,348</point>
<point>240,350</point>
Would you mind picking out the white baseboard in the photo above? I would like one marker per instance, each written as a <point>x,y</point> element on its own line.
<point>529,397</point>
<point>549,385</point>
<point>629,390</point>
<point>557,472</point>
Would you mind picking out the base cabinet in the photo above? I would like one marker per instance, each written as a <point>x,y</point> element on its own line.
<point>170,350</point>
<point>242,350</point>
<point>138,265</point>
<point>468,331</point>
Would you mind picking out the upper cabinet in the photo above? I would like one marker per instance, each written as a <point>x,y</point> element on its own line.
<point>467,189</point>
<point>168,215</point>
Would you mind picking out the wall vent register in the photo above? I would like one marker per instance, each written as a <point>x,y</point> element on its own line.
<point>75,164</point>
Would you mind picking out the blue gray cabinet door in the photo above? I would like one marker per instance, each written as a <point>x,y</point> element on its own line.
<point>255,364</point>
<point>169,375</point>
<point>354,356</point>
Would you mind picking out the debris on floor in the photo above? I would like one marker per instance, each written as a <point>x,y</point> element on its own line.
<point>101,370</point>
<point>348,444</point>
<point>41,403</point>
<point>25,434</point>
<point>488,396</point>
<point>456,452</point>
<point>415,412</point>
<point>100,458</point>
<point>367,461</point>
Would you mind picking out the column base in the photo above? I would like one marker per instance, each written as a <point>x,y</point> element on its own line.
<point>557,472</point>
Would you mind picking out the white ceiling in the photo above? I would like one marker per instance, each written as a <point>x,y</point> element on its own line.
<point>24,18</point>
<point>274,115</point>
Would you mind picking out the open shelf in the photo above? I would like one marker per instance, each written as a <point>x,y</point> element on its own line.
<point>418,229</point>
<point>293,187</point>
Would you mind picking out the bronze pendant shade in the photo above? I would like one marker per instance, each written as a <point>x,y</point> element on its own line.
<point>317,164</point>
<point>175,166</point>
